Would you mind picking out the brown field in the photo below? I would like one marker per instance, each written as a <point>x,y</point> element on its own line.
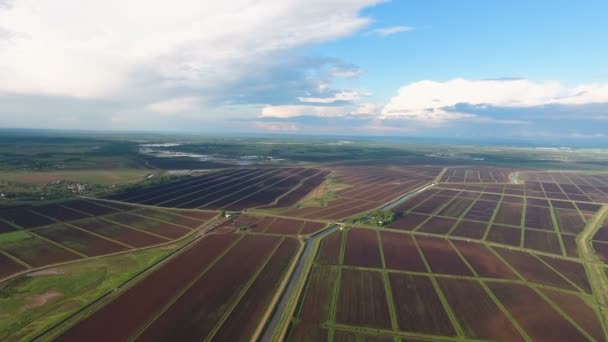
<point>569,221</point>
<point>533,269</point>
<point>120,233</point>
<point>284,226</point>
<point>477,313</point>
<point>579,311</point>
<point>481,211</point>
<point>9,267</point>
<point>35,251</point>
<point>601,249</point>
<point>483,261</point>
<point>246,315</point>
<point>140,303</point>
<point>171,217</point>
<point>400,252</point>
<point>329,251</point>
<point>348,336</point>
<point>538,217</point>
<point>362,300</point>
<point>509,214</point>
<point>570,245</point>
<point>574,271</point>
<point>311,227</point>
<point>441,257</point>
<point>437,225</point>
<point>540,321</point>
<point>163,229</point>
<point>79,240</point>
<point>417,305</point>
<point>362,248</point>
<point>194,314</point>
<point>456,208</point>
<point>542,241</point>
<point>316,303</point>
<point>505,235</point>
<point>470,229</point>
<point>408,221</point>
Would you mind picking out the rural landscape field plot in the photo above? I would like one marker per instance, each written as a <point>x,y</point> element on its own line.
<point>232,189</point>
<point>475,175</point>
<point>497,213</point>
<point>387,282</point>
<point>219,288</point>
<point>359,189</point>
<point>38,236</point>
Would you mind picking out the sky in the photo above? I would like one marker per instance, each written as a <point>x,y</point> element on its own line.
<point>530,70</point>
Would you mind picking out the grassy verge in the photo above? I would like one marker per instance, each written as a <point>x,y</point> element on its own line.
<point>323,194</point>
<point>33,302</point>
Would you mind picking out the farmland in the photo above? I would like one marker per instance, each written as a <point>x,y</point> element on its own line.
<point>283,252</point>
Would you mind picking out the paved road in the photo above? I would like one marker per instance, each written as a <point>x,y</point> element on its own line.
<point>293,282</point>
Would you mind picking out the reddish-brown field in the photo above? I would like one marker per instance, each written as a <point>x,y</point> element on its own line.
<point>284,226</point>
<point>505,235</point>
<point>457,207</point>
<point>540,321</point>
<point>194,314</point>
<point>306,332</point>
<point>329,251</point>
<point>470,229</point>
<point>37,252</point>
<point>437,225</point>
<point>311,227</point>
<point>5,227</point>
<point>58,212</point>
<point>542,241</point>
<point>569,221</point>
<point>245,316</point>
<point>408,221</point>
<point>131,237</point>
<point>79,240</point>
<point>432,205</point>
<point>316,303</point>
<point>483,261</point>
<point>362,248</point>
<point>477,313</point>
<point>401,253</point>
<point>538,217</point>
<point>570,245</point>
<point>140,303</point>
<point>164,229</point>
<point>575,271</point>
<point>348,336</point>
<point>24,218</point>
<point>601,249</point>
<point>509,214</point>
<point>418,306</point>
<point>9,267</point>
<point>481,211</point>
<point>171,217</point>
<point>579,311</point>
<point>441,257</point>
<point>533,269</point>
<point>362,300</point>
<point>89,207</point>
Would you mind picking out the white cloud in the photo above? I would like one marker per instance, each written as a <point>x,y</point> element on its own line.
<point>430,101</point>
<point>290,111</point>
<point>343,95</point>
<point>99,48</point>
<point>176,105</point>
<point>389,31</point>
<point>277,126</point>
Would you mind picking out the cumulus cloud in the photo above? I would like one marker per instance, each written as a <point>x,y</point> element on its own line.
<point>342,95</point>
<point>176,105</point>
<point>99,48</point>
<point>276,126</point>
<point>435,102</point>
<point>391,30</point>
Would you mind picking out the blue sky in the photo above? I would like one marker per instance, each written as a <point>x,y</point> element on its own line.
<point>509,70</point>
